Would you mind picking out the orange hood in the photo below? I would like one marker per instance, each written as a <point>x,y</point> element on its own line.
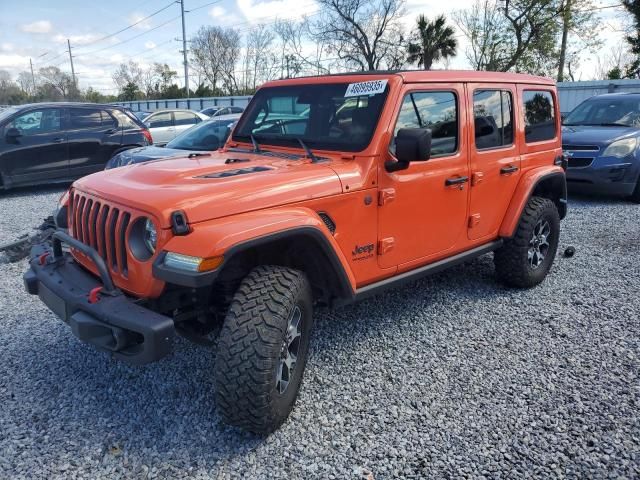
<point>195,185</point>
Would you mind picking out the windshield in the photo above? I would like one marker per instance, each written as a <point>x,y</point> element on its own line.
<point>327,117</point>
<point>7,112</point>
<point>208,135</point>
<point>607,111</point>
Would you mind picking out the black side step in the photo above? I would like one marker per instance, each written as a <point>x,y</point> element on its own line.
<point>430,269</point>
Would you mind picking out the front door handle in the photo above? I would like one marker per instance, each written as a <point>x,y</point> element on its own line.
<point>58,140</point>
<point>456,181</point>
<point>508,170</point>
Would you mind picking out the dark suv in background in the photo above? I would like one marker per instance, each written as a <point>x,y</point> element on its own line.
<point>59,142</point>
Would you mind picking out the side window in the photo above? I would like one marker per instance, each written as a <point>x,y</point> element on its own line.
<point>539,116</point>
<point>107,120</point>
<point>437,111</point>
<point>493,118</point>
<point>123,120</point>
<point>160,120</point>
<point>37,121</point>
<point>185,118</point>
<point>81,118</point>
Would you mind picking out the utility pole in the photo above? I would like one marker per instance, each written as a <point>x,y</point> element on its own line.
<point>73,73</point>
<point>33,78</point>
<point>184,51</point>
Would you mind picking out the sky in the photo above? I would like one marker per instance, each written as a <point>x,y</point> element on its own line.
<point>39,29</point>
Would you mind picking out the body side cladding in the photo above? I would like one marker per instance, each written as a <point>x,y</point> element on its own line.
<point>553,180</point>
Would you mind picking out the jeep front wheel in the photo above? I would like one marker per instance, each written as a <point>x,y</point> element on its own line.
<point>524,260</point>
<point>262,349</point>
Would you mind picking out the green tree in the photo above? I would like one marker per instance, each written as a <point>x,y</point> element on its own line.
<point>432,41</point>
<point>633,38</point>
<point>130,91</point>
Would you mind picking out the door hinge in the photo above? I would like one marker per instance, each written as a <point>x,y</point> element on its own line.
<point>385,245</point>
<point>476,178</point>
<point>474,220</point>
<point>386,195</point>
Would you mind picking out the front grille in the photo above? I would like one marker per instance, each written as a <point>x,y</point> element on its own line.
<point>581,148</point>
<point>579,162</point>
<point>102,226</point>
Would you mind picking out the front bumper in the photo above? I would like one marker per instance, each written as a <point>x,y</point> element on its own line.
<point>108,320</point>
<point>611,176</point>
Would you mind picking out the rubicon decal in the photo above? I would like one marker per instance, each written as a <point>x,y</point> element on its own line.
<point>360,252</point>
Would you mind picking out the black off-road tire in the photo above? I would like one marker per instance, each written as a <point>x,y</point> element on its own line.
<point>512,262</point>
<point>251,345</point>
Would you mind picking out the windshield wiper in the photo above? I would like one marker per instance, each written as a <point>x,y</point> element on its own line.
<point>256,146</point>
<point>614,124</point>
<point>197,154</point>
<point>307,151</point>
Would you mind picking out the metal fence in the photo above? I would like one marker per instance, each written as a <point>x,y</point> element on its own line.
<point>189,103</point>
<point>571,94</point>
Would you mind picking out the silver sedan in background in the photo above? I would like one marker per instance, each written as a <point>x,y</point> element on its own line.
<point>165,125</point>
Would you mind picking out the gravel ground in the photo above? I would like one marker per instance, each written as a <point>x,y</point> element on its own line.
<point>454,375</point>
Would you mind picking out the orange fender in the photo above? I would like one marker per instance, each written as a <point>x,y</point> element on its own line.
<point>523,192</point>
<point>224,236</point>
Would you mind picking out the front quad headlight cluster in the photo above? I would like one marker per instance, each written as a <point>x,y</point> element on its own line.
<point>143,238</point>
<point>621,148</point>
<point>143,242</point>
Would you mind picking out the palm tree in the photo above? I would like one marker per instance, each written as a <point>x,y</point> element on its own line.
<point>432,41</point>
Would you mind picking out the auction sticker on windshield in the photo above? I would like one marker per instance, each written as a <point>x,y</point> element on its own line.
<point>372,87</point>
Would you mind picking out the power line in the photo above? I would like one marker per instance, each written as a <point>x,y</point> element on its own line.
<point>129,26</point>
<point>131,38</point>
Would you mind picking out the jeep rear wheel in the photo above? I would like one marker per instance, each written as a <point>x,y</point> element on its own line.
<point>262,349</point>
<point>524,260</point>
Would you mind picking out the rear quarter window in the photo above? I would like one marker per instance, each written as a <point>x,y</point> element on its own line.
<point>539,116</point>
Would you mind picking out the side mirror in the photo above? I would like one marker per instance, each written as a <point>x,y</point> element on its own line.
<point>12,134</point>
<point>412,145</point>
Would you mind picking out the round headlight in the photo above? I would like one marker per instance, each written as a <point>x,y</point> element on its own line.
<point>150,235</point>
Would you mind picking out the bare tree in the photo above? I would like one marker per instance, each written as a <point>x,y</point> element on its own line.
<point>215,52</point>
<point>26,82</point>
<point>296,54</point>
<point>128,74</point>
<point>518,35</point>
<point>483,25</point>
<point>363,33</point>
<point>261,59</point>
<point>56,79</point>
<point>615,59</point>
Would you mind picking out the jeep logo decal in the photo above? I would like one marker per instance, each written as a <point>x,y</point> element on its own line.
<point>361,252</point>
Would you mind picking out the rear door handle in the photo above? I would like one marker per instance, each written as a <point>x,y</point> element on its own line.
<point>508,170</point>
<point>58,140</point>
<point>456,181</point>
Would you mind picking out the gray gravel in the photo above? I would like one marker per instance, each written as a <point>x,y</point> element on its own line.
<point>454,375</point>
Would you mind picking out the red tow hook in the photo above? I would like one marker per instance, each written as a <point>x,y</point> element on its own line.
<point>43,258</point>
<point>93,295</point>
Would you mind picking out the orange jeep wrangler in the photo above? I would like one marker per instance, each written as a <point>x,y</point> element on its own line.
<point>330,189</point>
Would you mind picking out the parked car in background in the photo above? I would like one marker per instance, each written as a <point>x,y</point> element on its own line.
<point>142,114</point>
<point>204,137</point>
<point>220,110</point>
<point>601,140</point>
<point>166,124</point>
<point>58,142</point>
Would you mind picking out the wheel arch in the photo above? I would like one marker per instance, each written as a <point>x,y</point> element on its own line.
<point>294,237</point>
<point>544,182</point>
<point>303,248</point>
